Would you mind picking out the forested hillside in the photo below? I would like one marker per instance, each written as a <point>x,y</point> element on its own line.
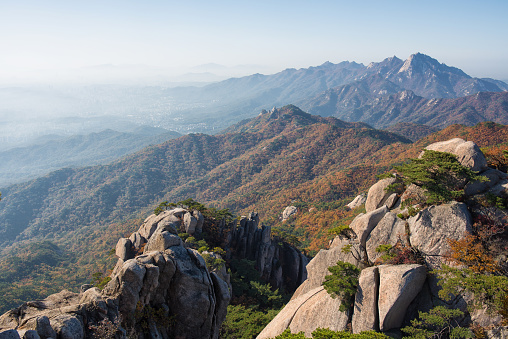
<point>280,158</point>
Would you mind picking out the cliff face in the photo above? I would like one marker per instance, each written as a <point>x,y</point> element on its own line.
<point>388,296</point>
<point>279,263</point>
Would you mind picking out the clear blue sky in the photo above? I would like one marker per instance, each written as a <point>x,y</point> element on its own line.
<point>471,35</point>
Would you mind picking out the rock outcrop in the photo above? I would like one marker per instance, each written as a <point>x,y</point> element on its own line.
<point>467,152</point>
<point>357,202</point>
<point>388,296</point>
<point>157,281</point>
<point>289,212</point>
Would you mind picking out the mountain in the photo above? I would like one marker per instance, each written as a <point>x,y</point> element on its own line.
<point>406,106</point>
<point>53,153</point>
<point>231,100</point>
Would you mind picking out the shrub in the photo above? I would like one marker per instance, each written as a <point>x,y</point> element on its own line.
<point>440,174</point>
<point>342,283</point>
<point>439,322</point>
<point>489,290</point>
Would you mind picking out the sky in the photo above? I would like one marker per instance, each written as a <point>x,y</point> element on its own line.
<point>53,37</point>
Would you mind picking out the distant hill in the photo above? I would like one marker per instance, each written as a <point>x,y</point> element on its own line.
<point>56,152</point>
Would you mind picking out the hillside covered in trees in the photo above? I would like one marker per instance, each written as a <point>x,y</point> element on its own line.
<point>280,158</point>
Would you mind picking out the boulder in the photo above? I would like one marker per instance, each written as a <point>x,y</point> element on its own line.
<point>388,231</point>
<point>398,286</point>
<point>137,241</point>
<point>414,195</point>
<point>378,194</point>
<point>67,326</point>
<point>29,334</point>
<point>9,334</point>
<point>123,249</point>
<point>162,240</point>
<point>476,187</point>
<point>319,311</point>
<point>467,152</point>
<point>317,268</point>
<point>365,314</point>
<point>432,227</point>
<point>357,202</point>
<point>501,189</point>
<point>190,222</point>
<point>288,212</point>
<point>363,224</point>
<point>306,313</point>
<point>200,221</point>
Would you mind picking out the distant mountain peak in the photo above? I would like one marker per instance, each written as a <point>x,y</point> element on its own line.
<point>422,63</point>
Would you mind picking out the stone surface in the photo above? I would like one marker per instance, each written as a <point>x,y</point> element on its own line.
<point>414,195</point>
<point>301,314</point>
<point>67,326</point>
<point>476,187</point>
<point>365,223</point>
<point>288,212</point>
<point>123,249</point>
<point>498,333</point>
<point>431,228</point>
<point>30,334</point>
<point>357,202</point>
<point>398,286</point>
<point>319,310</point>
<point>365,314</point>
<point>9,334</point>
<point>501,189</point>
<point>190,222</point>
<point>467,152</point>
<point>162,240</point>
<point>378,194</point>
<point>317,268</point>
<point>388,231</point>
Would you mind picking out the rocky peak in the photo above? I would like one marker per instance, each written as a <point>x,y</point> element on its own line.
<point>386,67</point>
<point>420,64</point>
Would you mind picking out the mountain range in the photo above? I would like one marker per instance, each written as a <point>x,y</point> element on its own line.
<point>231,100</point>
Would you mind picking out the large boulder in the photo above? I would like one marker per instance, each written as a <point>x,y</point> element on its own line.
<point>309,311</point>
<point>388,231</point>
<point>378,194</point>
<point>467,152</point>
<point>363,224</point>
<point>398,286</point>
<point>317,268</point>
<point>319,311</point>
<point>365,314</point>
<point>493,177</point>
<point>431,228</point>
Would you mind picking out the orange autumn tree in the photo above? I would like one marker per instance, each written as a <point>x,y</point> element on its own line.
<point>470,252</point>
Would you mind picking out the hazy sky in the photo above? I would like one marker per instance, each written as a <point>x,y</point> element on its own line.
<point>60,35</point>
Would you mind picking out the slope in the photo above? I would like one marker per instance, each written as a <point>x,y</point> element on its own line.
<point>24,163</point>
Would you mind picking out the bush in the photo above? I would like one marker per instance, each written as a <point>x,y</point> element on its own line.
<point>439,322</point>
<point>342,283</point>
<point>440,174</point>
